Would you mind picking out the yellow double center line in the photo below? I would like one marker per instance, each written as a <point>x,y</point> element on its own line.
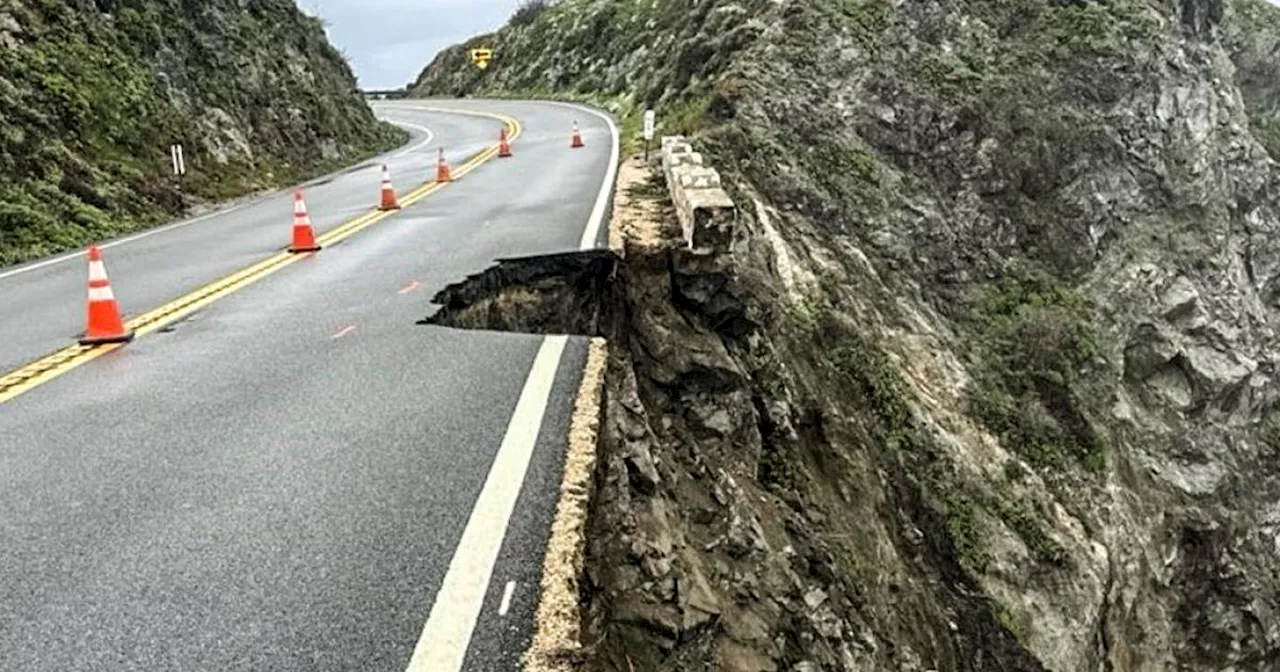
<point>51,366</point>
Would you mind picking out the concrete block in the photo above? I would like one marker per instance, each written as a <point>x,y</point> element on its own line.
<point>698,177</point>
<point>677,148</point>
<point>707,215</point>
<point>689,159</point>
<point>668,140</point>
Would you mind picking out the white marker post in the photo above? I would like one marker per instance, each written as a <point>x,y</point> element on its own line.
<point>649,118</point>
<point>179,161</point>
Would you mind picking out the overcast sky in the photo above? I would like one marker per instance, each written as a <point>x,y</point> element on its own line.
<point>389,41</point>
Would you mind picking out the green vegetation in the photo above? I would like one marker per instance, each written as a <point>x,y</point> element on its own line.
<point>1008,621</point>
<point>780,471</point>
<point>1254,38</point>
<point>963,526</point>
<point>804,313</point>
<point>846,161</point>
<point>879,392</point>
<point>948,74</point>
<point>594,61</point>
<point>1015,513</point>
<point>1033,340</point>
<point>529,11</point>
<point>876,382</point>
<point>687,116</point>
<point>869,18</point>
<point>940,146</point>
<point>90,102</point>
<point>1029,337</point>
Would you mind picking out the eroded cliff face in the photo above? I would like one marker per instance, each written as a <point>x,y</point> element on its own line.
<point>986,379</point>
<point>93,93</point>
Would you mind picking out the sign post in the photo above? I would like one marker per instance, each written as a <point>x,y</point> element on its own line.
<point>649,118</point>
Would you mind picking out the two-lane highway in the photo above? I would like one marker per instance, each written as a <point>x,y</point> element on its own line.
<point>43,302</point>
<point>299,477</point>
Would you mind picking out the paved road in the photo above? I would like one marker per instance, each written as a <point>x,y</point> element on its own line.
<point>46,299</point>
<point>281,481</point>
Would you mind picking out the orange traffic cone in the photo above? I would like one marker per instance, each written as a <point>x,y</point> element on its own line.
<point>389,200</point>
<point>504,147</point>
<point>304,239</point>
<point>442,169</point>
<point>576,142</point>
<point>102,321</point>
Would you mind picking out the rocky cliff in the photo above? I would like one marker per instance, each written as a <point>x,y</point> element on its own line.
<point>93,92</point>
<point>985,379</point>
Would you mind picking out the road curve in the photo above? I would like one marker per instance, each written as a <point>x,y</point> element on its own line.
<point>281,480</point>
<point>44,300</point>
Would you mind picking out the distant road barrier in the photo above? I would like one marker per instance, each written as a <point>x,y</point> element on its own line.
<point>385,95</point>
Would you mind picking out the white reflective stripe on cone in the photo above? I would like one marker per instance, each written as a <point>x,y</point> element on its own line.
<point>97,270</point>
<point>101,294</point>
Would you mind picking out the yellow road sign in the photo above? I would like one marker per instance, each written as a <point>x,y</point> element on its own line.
<point>481,57</point>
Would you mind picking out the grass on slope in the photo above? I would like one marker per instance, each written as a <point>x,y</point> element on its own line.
<point>91,101</point>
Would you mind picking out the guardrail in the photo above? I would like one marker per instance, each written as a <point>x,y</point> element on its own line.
<point>706,212</point>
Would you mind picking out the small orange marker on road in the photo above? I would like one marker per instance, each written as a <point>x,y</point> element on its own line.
<point>576,141</point>
<point>389,200</point>
<point>102,319</point>
<point>304,238</point>
<point>442,169</point>
<point>504,146</point>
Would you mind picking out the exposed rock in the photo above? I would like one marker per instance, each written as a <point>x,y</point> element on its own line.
<point>990,357</point>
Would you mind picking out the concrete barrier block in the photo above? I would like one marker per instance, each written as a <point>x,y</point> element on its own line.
<point>707,217</point>
<point>698,177</point>
<point>675,154</point>
<point>710,199</point>
<point>689,159</point>
<point>706,212</point>
<point>678,149</point>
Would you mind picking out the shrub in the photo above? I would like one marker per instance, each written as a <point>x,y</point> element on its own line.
<point>1033,339</point>
<point>529,11</point>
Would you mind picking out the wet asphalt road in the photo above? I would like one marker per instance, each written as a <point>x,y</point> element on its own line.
<point>280,481</point>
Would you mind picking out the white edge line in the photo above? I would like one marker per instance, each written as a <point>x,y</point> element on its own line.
<point>447,633</point>
<point>506,598</point>
<point>589,235</point>
<point>446,636</point>
<point>430,136</point>
<point>596,220</point>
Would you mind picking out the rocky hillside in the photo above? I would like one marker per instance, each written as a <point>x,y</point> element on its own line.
<point>93,92</point>
<point>986,380</point>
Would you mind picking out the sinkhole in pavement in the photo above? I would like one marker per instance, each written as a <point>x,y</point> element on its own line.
<point>575,293</point>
